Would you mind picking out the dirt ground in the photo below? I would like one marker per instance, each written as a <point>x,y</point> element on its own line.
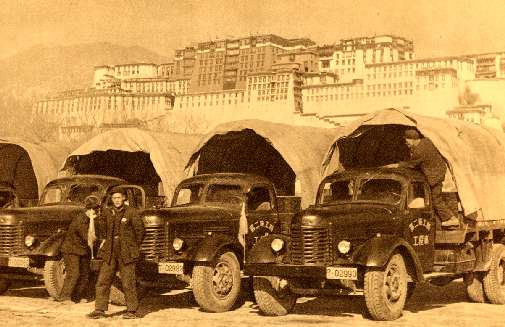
<point>430,306</point>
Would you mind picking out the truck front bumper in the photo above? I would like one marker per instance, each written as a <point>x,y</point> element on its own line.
<point>284,270</point>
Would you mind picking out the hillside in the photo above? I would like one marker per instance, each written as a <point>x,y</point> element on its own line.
<point>41,68</point>
<point>31,73</point>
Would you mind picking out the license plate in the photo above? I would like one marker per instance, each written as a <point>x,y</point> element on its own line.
<point>176,268</point>
<point>20,262</point>
<point>341,273</point>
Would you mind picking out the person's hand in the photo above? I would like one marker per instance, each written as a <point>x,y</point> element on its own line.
<point>91,214</point>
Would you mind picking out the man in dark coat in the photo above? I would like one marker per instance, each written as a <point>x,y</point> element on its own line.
<point>120,251</point>
<point>76,253</point>
<point>424,154</point>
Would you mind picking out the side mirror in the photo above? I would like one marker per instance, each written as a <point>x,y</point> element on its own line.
<point>417,203</point>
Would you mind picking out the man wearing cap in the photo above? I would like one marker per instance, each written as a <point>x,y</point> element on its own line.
<point>76,249</point>
<point>425,155</point>
<point>120,251</point>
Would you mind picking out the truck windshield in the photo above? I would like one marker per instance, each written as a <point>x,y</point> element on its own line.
<point>6,198</point>
<point>225,193</point>
<point>337,191</point>
<point>69,193</point>
<point>380,190</point>
<point>189,194</point>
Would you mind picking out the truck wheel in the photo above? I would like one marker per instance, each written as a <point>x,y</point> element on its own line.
<point>475,290</point>
<point>270,301</point>
<point>494,281</point>
<point>117,296</point>
<point>217,287</point>
<point>386,290</point>
<point>4,285</point>
<point>54,275</point>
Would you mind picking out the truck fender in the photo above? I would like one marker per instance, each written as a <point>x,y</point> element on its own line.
<point>51,247</point>
<point>211,245</point>
<point>262,252</point>
<point>377,251</point>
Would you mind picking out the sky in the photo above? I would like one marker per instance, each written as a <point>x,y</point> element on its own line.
<point>437,27</point>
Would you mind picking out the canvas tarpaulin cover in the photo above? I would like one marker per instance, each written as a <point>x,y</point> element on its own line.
<point>138,156</point>
<point>287,155</point>
<point>29,166</point>
<point>475,155</point>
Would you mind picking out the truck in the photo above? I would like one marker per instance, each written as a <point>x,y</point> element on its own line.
<point>373,231</point>
<point>30,238</point>
<point>205,235</point>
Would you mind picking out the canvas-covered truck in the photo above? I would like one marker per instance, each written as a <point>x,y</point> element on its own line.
<point>213,220</point>
<point>373,232</point>
<point>30,238</point>
<point>270,170</point>
<point>25,169</point>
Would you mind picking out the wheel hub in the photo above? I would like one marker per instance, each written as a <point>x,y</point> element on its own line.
<point>393,284</point>
<point>222,279</point>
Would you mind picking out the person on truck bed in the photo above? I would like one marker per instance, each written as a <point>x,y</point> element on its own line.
<point>424,154</point>
<point>76,249</point>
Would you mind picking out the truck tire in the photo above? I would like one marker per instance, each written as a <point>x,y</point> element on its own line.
<point>494,280</point>
<point>475,290</point>
<point>54,275</point>
<point>217,287</point>
<point>4,285</point>
<point>270,301</point>
<point>386,289</point>
<point>117,296</point>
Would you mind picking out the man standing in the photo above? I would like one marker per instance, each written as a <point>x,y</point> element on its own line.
<point>76,252</point>
<point>425,155</point>
<point>120,251</point>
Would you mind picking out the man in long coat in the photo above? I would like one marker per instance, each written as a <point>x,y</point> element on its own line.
<point>120,251</point>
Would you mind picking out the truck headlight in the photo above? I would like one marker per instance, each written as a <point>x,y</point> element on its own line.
<point>344,246</point>
<point>177,244</point>
<point>29,240</point>
<point>277,244</point>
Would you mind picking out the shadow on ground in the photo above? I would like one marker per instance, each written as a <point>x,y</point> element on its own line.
<point>426,297</point>
<point>27,289</point>
<point>154,302</point>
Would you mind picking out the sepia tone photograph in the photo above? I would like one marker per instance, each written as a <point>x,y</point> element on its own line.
<point>252,163</point>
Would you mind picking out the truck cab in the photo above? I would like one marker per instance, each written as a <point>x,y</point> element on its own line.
<point>31,237</point>
<point>372,232</point>
<point>213,221</point>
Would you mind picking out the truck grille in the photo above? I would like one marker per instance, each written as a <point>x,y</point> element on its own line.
<point>310,245</point>
<point>154,245</point>
<point>11,240</point>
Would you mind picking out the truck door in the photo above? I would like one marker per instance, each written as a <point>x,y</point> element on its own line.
<point>261,213</point>
<point>420,230</point>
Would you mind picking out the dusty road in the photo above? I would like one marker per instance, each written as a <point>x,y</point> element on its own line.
<point>430,306</point>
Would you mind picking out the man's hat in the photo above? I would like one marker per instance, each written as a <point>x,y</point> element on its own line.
<point>91,202</point>
<point>117,189</point>
<point>412,134</point>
